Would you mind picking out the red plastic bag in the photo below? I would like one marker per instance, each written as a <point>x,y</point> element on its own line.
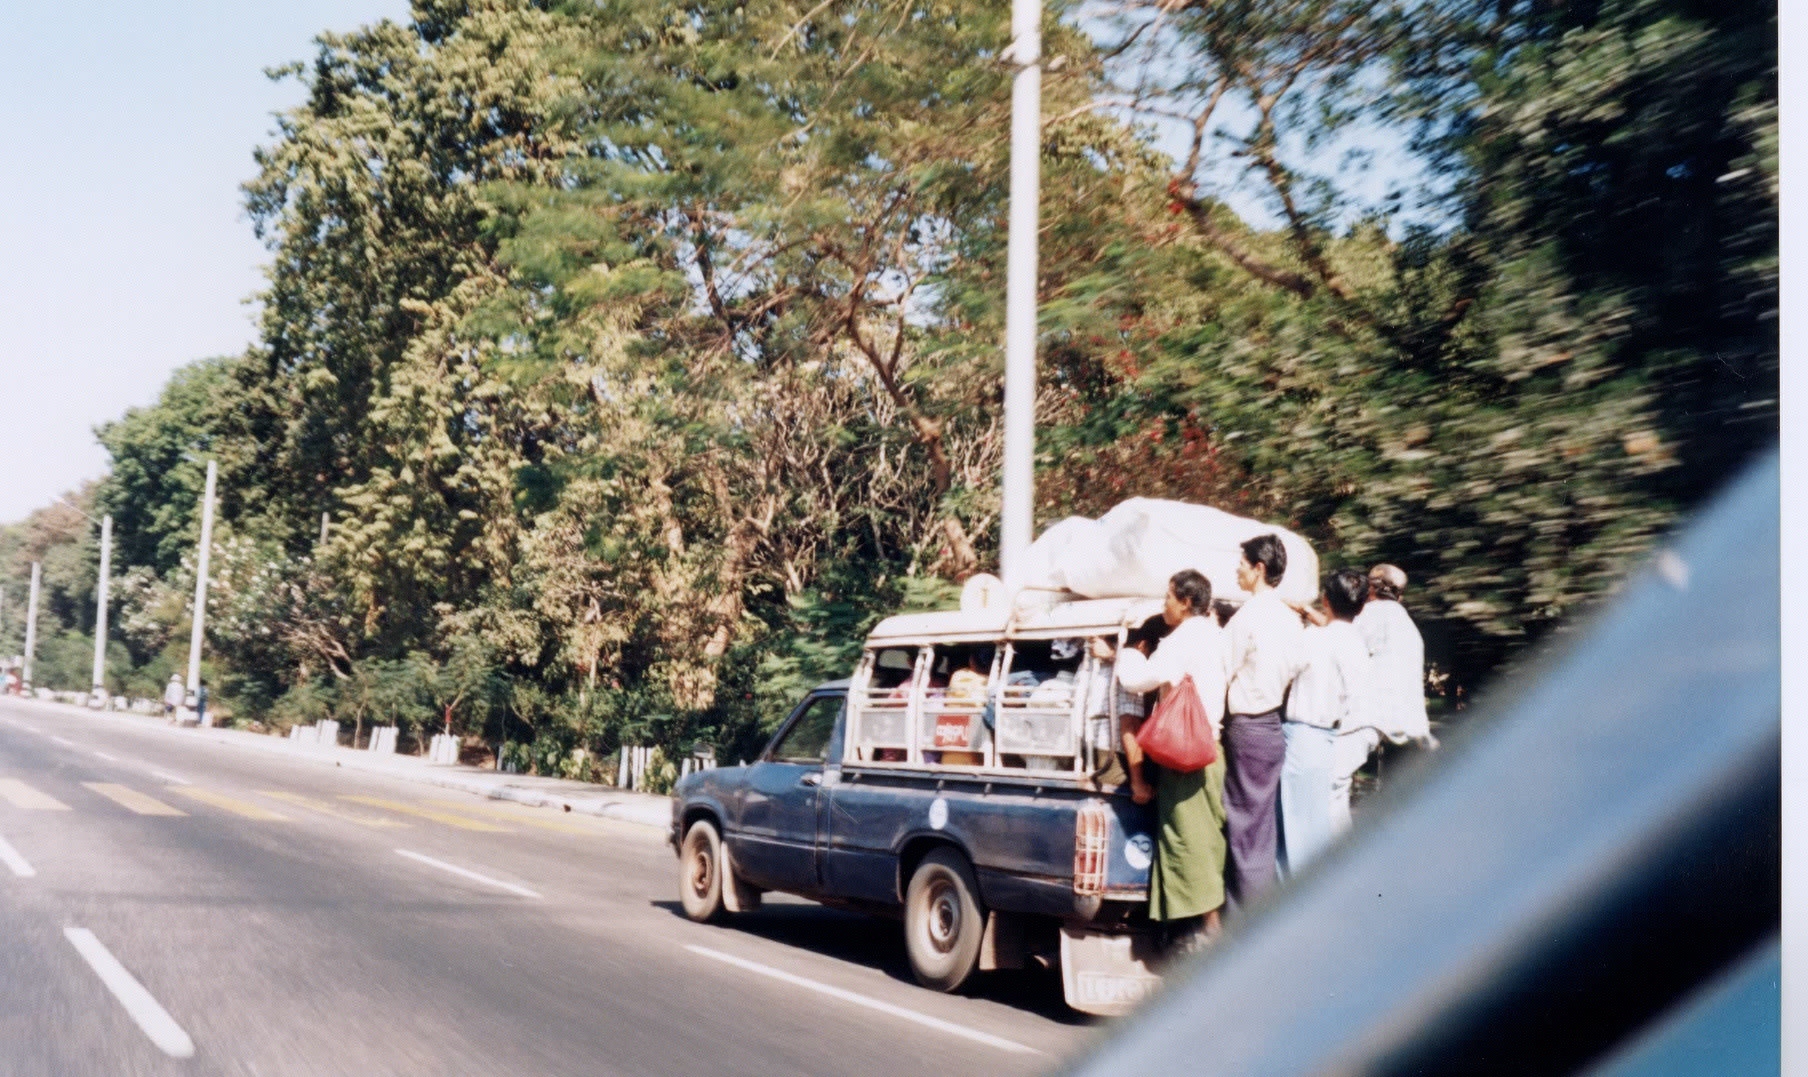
<point>1179,734</point>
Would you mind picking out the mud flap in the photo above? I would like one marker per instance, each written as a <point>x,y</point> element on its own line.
<point>736,896</point>
<point>1107,973</point>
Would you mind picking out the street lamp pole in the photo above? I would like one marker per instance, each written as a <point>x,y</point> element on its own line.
<point>1018,508</point>
<point>31,624</point>
<point>100,612</point>
<point>194,635</point>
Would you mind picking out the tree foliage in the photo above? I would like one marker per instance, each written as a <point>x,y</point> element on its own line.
<point>639,357</point>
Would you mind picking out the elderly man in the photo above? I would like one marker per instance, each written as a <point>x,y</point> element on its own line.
<point>1397,654</point>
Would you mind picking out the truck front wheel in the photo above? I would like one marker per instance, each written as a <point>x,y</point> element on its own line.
<point>700,872</point>
<point>943,920</point>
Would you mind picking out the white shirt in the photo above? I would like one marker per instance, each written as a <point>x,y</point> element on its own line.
<point>1398,652</point>
<point>1195,648</point>
<point>1265,639</point>
<point>1334,689</point>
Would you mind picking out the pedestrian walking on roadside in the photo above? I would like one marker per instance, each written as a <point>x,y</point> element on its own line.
<point>1186,880</point>
<point>1265,639</point>
<point>1334,690</point>
<point>172,695</point>
<point>1397,665</point>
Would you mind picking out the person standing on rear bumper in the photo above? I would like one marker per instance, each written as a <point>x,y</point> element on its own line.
<point>1186,881</point>
<point>1333,691</point>
<point>1265,641</point>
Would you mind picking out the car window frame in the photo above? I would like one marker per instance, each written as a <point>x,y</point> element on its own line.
<point>770,755</point>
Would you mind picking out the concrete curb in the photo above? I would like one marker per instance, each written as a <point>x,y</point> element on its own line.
<point>644,809</point>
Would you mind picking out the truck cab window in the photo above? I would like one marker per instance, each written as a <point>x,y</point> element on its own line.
<point>807,741</point>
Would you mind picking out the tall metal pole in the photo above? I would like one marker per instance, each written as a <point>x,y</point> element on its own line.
<point>194,635</point>
<point>31,624</point>
<point>1020,288</point>
<point>100,612</point>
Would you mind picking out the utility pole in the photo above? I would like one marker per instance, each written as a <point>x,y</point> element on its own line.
<point>323,520</point>
<point>100,613</point>
<point>194,635</point>
<point>1017,516</point>
<point>31,625</point>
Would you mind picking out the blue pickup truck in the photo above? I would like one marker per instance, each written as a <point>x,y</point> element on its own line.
<point>963,780</point>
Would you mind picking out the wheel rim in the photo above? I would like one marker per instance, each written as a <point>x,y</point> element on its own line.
<point>943,922</point>
<point>702,871</point>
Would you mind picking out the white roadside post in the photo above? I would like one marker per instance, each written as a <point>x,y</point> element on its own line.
<point>31,626</point>
<point>194,635</point>
<point>1018,505</point>
<point>100,697</point>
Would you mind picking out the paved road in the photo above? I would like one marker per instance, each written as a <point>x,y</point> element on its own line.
<point>172,905</point>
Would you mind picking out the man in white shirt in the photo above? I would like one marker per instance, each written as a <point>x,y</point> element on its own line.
<point>1397,654</point>
<point>1265,638</point>
<point>1332,692</point>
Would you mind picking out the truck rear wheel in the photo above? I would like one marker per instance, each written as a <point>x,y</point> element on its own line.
<point>700,872</point>
<point>943,920</point>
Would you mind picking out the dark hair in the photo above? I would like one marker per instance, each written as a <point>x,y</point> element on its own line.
<point>1224,609</point>
<point>1153,630</point>
<point>1346,590</point>
<point>1267,551</point>
<point>1192,588</point>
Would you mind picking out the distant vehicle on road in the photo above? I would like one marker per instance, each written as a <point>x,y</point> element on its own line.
<point>963,781</point>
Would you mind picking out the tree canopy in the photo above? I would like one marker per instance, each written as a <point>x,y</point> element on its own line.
<point>638,356</point>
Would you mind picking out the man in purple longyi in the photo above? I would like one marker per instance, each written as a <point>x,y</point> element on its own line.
<point>1265,656</point>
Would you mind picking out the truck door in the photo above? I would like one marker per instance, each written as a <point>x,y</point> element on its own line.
<point>775,845</point>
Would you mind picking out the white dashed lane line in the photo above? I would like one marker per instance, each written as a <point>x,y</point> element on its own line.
<point>11,858</point>
<point>64,742</point>
<point>936,1023</point>
<point>108,758</point>
<point>468,874</point>
<point>170,778</point>
<point>143,1009</point>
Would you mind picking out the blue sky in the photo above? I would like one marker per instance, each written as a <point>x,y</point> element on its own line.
<point>124,247</point>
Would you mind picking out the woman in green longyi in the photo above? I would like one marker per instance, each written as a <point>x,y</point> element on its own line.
<point>1186,882</point>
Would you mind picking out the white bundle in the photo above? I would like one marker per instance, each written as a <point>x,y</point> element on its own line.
<point>1131,552</point>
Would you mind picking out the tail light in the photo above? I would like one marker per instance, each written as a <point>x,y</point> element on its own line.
<point>1092,837</point>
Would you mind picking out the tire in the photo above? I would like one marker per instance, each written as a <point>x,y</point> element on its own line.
<point>700,872</point>
<point>943,920</point>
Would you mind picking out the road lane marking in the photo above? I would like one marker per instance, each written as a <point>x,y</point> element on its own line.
<point>11,858</point>
<point>24,796</point>
<point>456,870</point>
<point>107,757</point>
<point>870,1003</point>
<point>28,725</point>
<point>133,800</point>
<point>68,743</point>
<point>143,1009</point>
<point>170,778</point>
<point>324,808</point>
<point>519,816</point>
<point>462,821</point>
<point>231,804</point>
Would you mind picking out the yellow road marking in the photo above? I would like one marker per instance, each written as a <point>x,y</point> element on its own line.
<point>24,796</point>
<point>464,822</point>
<point>324,808</point>
<point>231,804</point>
<point>133,800</point>
<point>520,815</point>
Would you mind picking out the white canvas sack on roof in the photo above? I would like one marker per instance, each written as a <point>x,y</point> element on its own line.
<point>1132,551</point>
